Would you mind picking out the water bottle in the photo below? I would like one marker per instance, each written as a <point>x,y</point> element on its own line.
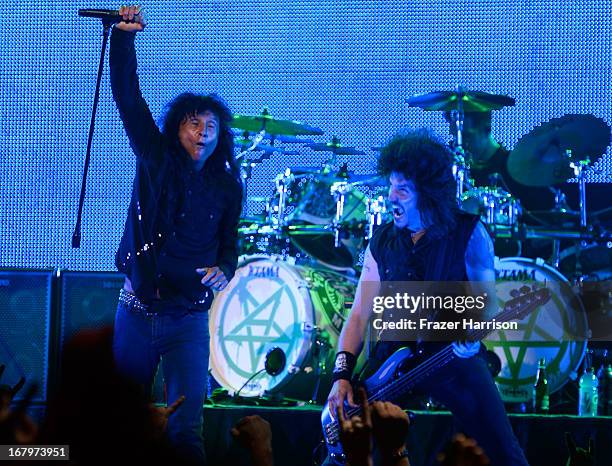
<point>605,401</point>
<point>588,396</point>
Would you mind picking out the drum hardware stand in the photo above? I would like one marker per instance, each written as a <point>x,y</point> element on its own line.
<point>375,208</point>
<point>322,348</point>
<point>282,182</point>
<point>339,191</point>
<point>560,206</point>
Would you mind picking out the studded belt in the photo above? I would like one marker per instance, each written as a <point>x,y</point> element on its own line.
<point>131,301</point>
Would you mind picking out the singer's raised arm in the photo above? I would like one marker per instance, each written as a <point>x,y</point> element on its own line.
<point>144,135</point>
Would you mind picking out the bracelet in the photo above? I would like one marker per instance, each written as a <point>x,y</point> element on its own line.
<point>344,365</point>
<point>399,454</point>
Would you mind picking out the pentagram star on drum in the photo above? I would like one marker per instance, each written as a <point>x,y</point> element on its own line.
<point>252,311</point>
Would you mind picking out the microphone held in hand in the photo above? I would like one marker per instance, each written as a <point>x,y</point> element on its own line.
<point>108,16</point>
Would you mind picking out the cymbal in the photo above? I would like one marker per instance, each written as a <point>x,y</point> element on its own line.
<point>539,158</point>
<point>371,181</point>
<point>246,143</point>
<point>472,101</point>
<point>288,139</point>
<point>265,121</point>
<point>559,218</point>
<point>335,147</point>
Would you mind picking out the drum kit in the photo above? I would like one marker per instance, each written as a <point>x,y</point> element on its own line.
<point>296,278</point>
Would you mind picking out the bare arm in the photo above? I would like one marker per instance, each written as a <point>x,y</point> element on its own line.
<point>479,264</point>
<point>351,338</point>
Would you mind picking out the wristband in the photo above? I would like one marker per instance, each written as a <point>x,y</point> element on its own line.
<point>344,365</point>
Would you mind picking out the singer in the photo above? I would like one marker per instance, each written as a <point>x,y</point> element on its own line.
<point>179,241</point>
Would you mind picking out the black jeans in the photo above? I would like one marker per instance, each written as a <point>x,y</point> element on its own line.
<point>467,389</point>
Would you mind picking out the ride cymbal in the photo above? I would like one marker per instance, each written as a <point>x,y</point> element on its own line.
<point>540,157</point>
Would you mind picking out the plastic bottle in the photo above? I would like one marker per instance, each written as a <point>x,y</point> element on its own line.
<point>587,393</point>
<point>605,383</point>
<point>540,389</point>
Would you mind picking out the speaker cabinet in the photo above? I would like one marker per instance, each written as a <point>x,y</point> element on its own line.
<point>25,320</point>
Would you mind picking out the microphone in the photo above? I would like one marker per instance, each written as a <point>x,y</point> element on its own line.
<point>108,16</point>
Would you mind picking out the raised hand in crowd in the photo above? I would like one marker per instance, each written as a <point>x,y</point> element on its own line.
<point>16,427</point>
<point>161,414</point>
<point>391,425</point>
<point>356,432</point>
<point>463,451</point>
<point>578,456</point>
<point>254,434</point>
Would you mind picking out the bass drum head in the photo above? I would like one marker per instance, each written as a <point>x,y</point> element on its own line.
<point>273,303</point>
<point>556,330</point>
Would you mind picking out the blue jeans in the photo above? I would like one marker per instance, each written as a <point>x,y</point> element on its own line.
<point>180,339</point>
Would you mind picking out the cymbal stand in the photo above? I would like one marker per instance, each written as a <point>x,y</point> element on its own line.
<point>339,190</point>
<point>460,167</point>
<point>282,181</point>
<point>580,167</point>
<point>560,206</point>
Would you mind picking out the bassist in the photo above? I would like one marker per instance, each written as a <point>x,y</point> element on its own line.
<point>430,239</point>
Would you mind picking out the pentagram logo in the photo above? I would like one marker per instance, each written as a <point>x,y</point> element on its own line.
<point>258,314</point>
<point>550,331</point>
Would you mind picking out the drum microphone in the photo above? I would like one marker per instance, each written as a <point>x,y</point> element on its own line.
<point>108,16</point>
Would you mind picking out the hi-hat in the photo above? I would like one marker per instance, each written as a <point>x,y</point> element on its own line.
<point>541,158</point>
<point>265,121</point>
<point>471,101</point>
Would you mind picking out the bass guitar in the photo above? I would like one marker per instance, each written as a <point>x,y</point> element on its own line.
<point>408,367</point>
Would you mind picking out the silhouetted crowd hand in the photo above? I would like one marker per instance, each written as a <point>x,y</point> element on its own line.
<point>381,423</point>
<point>463,451</point>
<point>254,434</point>
<point>16,427</point>
<point>356,432</point>
<point>578,456</point>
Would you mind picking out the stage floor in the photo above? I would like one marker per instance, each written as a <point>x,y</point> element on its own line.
<point>296,435</point>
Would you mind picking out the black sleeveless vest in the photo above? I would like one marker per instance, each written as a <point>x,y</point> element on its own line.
<point>432,258</point>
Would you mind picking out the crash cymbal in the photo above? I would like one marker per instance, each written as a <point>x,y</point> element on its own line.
<point>265,121</point>
<point>373,181</point>
<point>246,143</point>
<point>335,147</point>
<point>472,101</point>
<point>539,158</point>
<point>288,139</point>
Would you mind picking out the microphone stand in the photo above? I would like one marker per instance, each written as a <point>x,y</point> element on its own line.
<point>76,235</point>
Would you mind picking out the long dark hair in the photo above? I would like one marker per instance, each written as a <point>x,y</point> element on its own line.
<point>423,158</point>
<point>188,104</point>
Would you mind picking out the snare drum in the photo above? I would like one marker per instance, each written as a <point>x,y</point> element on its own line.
<point>270,303</point>
<point>556,331</point>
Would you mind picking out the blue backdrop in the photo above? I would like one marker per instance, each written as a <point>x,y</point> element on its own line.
<point>344,66</point>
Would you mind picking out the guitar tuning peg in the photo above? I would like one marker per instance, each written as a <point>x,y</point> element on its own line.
<point>515,293</point>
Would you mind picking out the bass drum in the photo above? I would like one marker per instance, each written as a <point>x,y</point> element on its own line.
<point>556,330</point>
<point>270,303</point>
